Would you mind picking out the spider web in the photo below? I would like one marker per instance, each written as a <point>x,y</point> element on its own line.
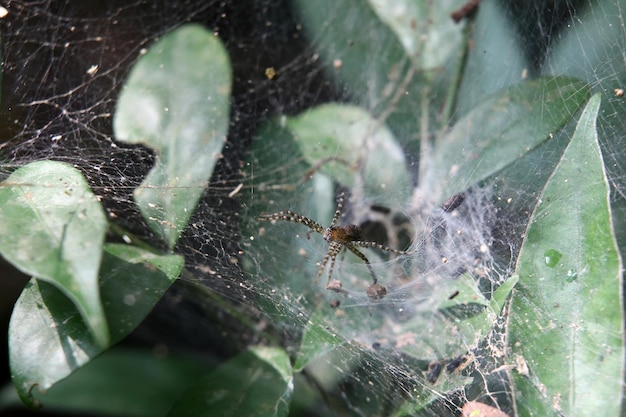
<point>65,62</point>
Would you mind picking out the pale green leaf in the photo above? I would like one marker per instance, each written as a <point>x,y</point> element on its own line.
<point>177,101</point>
<point>53,229</point>
<point>427,33</point>
<point>347,143</point>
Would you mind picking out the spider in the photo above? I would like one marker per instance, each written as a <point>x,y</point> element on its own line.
<point>348,237</point>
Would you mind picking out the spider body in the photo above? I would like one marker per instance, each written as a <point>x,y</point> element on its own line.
<point>343,234</point>
<point>348,237</point>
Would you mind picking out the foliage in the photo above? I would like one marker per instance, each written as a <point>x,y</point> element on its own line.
<point>551,319</point>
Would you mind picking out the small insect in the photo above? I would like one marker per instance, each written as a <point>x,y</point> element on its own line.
<point>348,237</point>
<point>434,370</point>
<point>452,203</point>
<point>458,364</point>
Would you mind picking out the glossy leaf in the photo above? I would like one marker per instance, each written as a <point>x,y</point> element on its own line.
<point>566,314</point>
<point>53,228</point>
<point>348,142</point>
<point>48,339</point>
<point>501,130</point>
<point>176,101</point>
<point>258,382</point>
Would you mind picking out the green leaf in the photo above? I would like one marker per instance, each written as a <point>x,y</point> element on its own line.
<point>343,31</point>
<point>123,382</point>
<point>176,101</point>
<point>317,340</point>
<point>566,313</point>
<point>280,251</point>
<point>477,327</point>
<point>352,143</point>
<point>367,60</point>
<point>496,60</point>
<point>53,228</point>
<point>601,39</point>
<point>501,130</point>
<point>465,290</point>
<point>442,337</point>
<point>48,340</point>
<point>258,382</point>
<point>132,281</point>
<point>427,33</point>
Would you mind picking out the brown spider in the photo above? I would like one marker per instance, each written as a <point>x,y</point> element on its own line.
<point>339,237</point>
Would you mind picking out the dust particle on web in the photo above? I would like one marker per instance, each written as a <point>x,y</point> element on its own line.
<point>92,70</point>
<point>521,366</point>
<point>270,73</point>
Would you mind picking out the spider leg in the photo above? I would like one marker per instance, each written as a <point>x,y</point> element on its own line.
<point>330,268</point>
<point>338,211</point>
<point>331,255</point>
<point>290,216</point>
<point>368,244</point>
<point>360,254</point>
<point>322,266</point>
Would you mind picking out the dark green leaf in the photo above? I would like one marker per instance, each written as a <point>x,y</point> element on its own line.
<point>176,101</point>
<point>124,383</point>
<point>566,314</point>
<point>341,31</point>
<point>258,382</point>
<point>53,228</point>
<point>496,59</point>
